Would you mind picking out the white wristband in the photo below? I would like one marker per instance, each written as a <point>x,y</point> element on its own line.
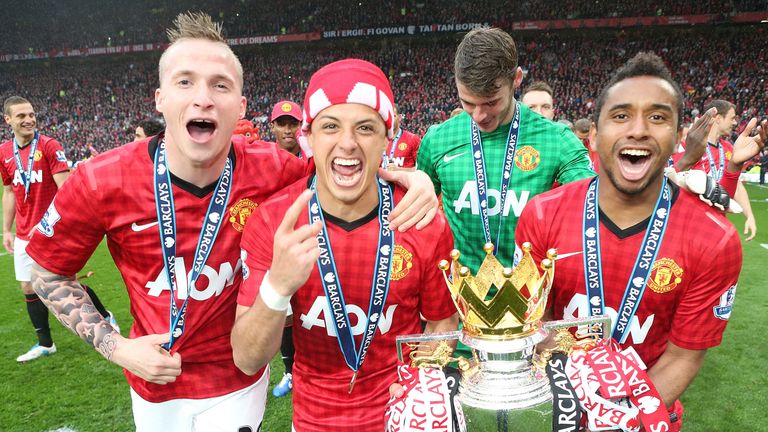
<point>272,298</point>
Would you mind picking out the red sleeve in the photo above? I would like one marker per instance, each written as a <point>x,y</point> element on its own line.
<point>704,309</point>
<point>5,175</point>
<point>256,248</point>
<point>55,156</point>
<point>71,228</point>
<point>435,301</point>
<point>730,181</point>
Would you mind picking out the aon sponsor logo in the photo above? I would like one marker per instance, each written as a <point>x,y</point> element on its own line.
<point>638,331</point>
<point>398,161</point>
<point>35,177</point>
<point>469,200</point>
<point>210,283</point>
<point>320,316</point>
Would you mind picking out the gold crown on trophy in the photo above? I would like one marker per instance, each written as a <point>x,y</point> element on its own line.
<point>499,302</point>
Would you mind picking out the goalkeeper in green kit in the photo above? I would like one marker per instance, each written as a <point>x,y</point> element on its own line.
<point>490,160</point>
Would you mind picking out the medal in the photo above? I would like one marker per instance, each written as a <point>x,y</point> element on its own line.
<point>481,177</point>
<point>26,176</point>
<point>593,271</point>
<point>716,172</point>
<point>388,160</point>
<point>352,382</point>
<point>166,216</point>
<point>326,265</point>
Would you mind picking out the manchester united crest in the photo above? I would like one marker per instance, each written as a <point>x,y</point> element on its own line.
<point>728,155</point>
<point>240,212</point>
<point>402,261</point>
<point>402,146</point>
<point>665,276</point>
<point>38,155</point>
<point>527,158</point>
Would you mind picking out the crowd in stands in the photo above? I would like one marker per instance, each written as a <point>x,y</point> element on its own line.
<point>95,104</point>
<point>47,25</point>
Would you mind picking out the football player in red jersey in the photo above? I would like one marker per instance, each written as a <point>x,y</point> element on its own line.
<point>402,148</point>
<point>284,122</point>
<point>352,283</point>
<point>631,244</point>
<point>719,152</point>
<point>715,155</point>
<point>34,167</point>
<point>173,208</point>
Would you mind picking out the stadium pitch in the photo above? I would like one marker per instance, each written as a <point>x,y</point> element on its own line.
<point>77,390</point>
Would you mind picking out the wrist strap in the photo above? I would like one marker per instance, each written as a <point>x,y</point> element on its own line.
<point>271,298</point>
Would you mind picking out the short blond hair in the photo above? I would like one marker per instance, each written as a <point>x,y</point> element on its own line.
<point>196,25</point>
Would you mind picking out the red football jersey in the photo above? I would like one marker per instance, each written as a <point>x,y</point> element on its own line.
<point>690,289</point>
<point>703,163</point>
<point>49,159</point>
<point>113,195</point>
<point>406,149</point>
<point>320,376</point>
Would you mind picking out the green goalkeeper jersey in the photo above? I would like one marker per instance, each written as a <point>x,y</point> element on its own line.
<point>546,152</point>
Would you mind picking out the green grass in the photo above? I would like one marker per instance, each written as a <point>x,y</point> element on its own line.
<point>77,388</point>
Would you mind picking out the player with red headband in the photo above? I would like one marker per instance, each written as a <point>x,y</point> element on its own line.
<point>172,208</point>
<point>353,284</point>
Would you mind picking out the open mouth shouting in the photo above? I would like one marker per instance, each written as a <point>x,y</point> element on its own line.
<point>346,172</point>
<point>201,130</point>
<point>634,163</point>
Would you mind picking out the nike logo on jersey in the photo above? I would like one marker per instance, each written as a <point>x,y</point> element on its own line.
<point>566,255</point>
<point>8,160</point>
<point>447,158</point>
<point>136,227</point>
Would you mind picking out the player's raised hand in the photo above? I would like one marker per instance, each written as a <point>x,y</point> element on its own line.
<point>295,250</point>
<point>419,205</point>
<point>748,145</point>
<point>146,358</point>
<point>696,140</point>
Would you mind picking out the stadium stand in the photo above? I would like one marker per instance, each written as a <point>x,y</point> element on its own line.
<point>94,103</point>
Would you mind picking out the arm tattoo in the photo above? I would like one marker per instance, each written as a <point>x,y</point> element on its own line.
<point>72,306</point>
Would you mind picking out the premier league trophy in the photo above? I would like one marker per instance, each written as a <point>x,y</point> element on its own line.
<point>504,387</point>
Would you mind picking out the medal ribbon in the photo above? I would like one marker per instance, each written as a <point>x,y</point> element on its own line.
<point>481,178</point>
<point>566,410</point>
<point>386,160</point>
<point>717,173</point>
<point>617,377</point>
<point>26,176</point>
<point>166,216</point>
<point>326,265</point>
<point>593,273</point>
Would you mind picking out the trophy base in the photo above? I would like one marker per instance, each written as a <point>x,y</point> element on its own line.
<point>503,392</point>
<point>534,419</point>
